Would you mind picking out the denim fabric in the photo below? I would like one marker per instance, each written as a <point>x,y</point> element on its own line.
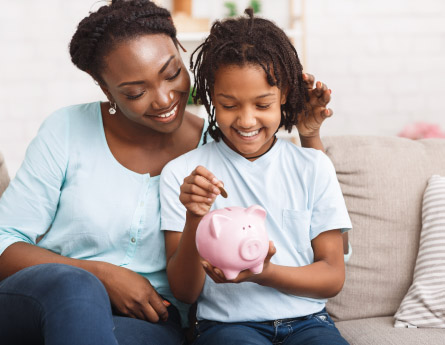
<point>56,304</point>
<point>314,329</point>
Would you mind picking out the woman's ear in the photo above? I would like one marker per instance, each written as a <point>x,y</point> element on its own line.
<point>106,92</point>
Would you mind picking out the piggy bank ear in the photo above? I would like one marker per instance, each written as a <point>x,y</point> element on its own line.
<point>217,224</point>
<point>257,211</point>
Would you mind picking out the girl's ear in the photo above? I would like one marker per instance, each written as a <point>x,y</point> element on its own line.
<point>284,93</point>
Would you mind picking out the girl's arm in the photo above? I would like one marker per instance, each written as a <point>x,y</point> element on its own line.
<point>309,125</point>
<point>323,278</point>
<point>184,269</point>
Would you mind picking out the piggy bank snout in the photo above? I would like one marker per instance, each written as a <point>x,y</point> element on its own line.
<point>251,249</point>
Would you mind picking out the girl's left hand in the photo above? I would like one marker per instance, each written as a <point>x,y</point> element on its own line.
<point>218,276</point>
<point>309,125</point>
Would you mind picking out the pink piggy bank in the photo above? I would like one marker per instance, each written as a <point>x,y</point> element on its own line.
<point>234,239</point>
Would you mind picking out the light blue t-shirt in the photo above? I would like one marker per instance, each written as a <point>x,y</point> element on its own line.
<point>97,209</point>
<point>298,188</point>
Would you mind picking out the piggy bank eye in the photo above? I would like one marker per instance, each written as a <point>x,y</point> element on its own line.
<point>249,226</point>
<point>244,228</point>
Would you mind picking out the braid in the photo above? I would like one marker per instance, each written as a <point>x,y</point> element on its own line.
<point>249,41</point>
<point>122,20</point>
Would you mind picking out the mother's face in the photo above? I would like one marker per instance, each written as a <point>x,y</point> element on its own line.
<point>148,80</point>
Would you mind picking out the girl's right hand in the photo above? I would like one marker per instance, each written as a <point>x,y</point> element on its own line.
<point>132,295</point>
<point>199,190</point>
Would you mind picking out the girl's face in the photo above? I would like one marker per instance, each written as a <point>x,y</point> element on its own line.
<point>147,79</point>
<point>247,108</point>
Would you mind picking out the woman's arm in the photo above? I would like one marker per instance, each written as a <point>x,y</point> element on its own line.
<point>28,208</point>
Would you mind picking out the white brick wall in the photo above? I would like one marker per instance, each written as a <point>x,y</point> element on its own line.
<point>384,61</point>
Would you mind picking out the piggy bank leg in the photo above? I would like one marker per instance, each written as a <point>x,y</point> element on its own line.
<point>230,274</point>
<point>257,269</point>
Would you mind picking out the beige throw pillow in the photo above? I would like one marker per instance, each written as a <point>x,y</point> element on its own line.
<point>424,303</point>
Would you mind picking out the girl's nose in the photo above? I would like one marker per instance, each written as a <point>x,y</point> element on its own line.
<point>246,119</point>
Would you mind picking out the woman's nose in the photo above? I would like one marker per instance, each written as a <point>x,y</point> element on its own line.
<point>163,99</point>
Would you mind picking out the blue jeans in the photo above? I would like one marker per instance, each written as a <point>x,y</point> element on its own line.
<point>314,329</point>
<point>56,304</point>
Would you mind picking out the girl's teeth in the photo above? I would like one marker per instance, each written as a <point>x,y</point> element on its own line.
<point>249,134</point>
<point>170,113</point>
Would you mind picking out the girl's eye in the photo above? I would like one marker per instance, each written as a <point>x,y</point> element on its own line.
<point>135,96</point>
<point>175,75</point>
<point>228,106</point>
<point>263,106</point>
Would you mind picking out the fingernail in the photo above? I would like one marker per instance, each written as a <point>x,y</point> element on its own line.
<point>166,303</point>
<point>214,180</point>
<point>205,265</point>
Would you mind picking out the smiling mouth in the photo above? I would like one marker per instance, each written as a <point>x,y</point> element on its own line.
<point>169,114</point>
<point>248,134</point>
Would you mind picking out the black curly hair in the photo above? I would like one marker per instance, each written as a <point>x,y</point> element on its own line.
<point>250,41</point>
<point>122,20</point>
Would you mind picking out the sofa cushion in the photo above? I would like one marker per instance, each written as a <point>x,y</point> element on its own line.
<point>4,177</point>
<point>380,330</point>
<point>383,180</point>
<point>424,304</point>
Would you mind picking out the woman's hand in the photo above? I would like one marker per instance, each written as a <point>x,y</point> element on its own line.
<point>309,125</point>
<point>132,295</point>
<point>218,276</point>
<point>199,190</point>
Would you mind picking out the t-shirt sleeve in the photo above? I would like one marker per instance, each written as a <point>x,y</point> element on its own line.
<point>172,210</point>
<point>329,209</point>
<point>28,205</point>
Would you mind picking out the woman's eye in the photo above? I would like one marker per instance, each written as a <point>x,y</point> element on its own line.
<point>175,75</point>
<point>135,96</point>
<point>263,106</point>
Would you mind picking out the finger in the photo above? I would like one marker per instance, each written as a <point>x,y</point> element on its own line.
<point>328,112</point>
<point>309,80</point>
<point>318,90</point>
<point>325,97</point>
<point>199,199</point>
<point>209,269</point>
<point>271,252</point>
<point>199,185</point>
<point>220,274</point>
<point>156,310</point>
<point>208,175</point>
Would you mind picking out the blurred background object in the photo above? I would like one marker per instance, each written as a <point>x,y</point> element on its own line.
<point>421,130</point>
<point>383,60</point>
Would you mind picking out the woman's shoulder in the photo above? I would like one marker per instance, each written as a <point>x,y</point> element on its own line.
<point>78,118</point>
<point>72,112</point>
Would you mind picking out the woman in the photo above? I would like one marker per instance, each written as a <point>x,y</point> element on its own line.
<point>82,255</point>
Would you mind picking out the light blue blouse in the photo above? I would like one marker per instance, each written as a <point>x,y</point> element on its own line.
<point>94,208</point>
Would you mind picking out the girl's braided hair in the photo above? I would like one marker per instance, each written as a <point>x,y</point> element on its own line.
<point>98,33</point>
<point>250,41</point>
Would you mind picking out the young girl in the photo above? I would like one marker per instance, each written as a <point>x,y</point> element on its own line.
<point>248,76</point>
